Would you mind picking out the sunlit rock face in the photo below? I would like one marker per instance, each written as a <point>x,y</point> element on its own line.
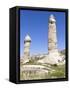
<point>33,72</point>
<point>53,56</point>
<point>27,42</point>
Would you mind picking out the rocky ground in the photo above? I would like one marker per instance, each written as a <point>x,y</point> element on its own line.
<point>35,70</point>
<point>48,72</point>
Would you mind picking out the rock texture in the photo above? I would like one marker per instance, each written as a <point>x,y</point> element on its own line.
<point>53,56</point>
<point>27,42</point>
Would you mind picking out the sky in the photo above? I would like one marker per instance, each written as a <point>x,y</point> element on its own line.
<point>35,23</point>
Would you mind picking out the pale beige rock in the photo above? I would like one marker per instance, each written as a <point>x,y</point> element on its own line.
<point>35,68</point>
<point>53,56</point>
<point>26,55</point>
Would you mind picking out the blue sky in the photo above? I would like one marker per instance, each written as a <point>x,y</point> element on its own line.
<point>35,23</point>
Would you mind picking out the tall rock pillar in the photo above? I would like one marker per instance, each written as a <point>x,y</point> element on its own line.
<point>52,41</point>
<point>52,37</point>
<point>27,42</point>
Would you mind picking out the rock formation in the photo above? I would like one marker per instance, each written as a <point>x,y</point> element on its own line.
<point>26,55</point>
